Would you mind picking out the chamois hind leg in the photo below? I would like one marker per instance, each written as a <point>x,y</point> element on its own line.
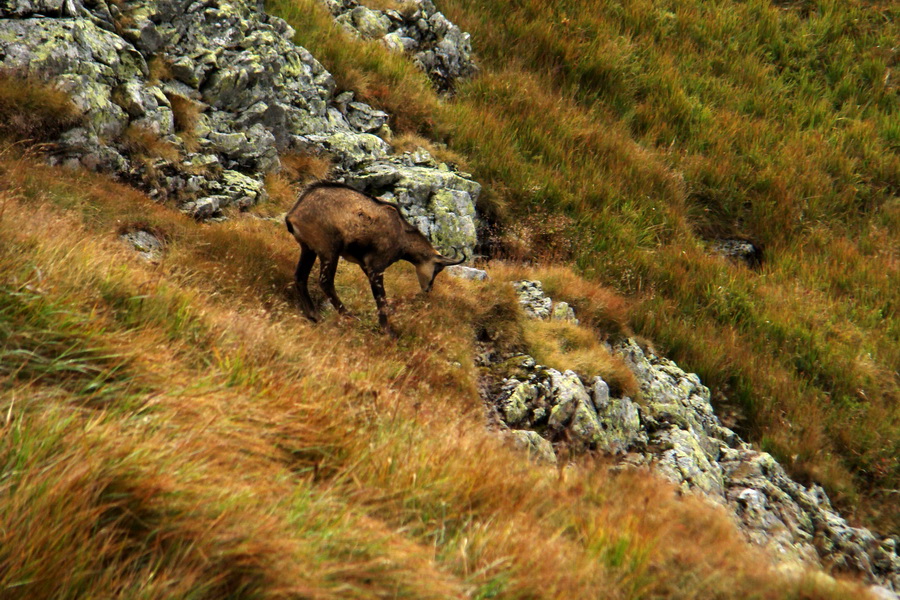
<point>376,280</point>
<point>327,271</point>
<point>301,279</point>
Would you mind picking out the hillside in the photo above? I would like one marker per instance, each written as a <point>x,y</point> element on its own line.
<point>173,428</point>
<point>629,139</point>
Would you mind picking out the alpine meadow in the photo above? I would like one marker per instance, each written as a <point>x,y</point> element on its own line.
<point>673,372</point>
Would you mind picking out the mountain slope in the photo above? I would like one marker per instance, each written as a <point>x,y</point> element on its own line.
<point>177,429</point>
<point>629,138</point>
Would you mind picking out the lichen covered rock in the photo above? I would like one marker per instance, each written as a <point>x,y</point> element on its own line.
<point>437,46</point>
<point>195,99</point>
<point>439,202</point>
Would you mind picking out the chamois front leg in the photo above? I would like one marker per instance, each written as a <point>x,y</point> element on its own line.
<point>301,279</point>
<point>326,282</point>
<point>376,280</point>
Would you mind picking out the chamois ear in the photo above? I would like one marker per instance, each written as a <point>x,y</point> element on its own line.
<point>449,262</point>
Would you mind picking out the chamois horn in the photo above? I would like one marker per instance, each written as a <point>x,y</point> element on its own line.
<point>449,262</point>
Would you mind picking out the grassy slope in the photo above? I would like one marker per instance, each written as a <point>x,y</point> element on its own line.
<point>177,430</point>
<point>637,130</point>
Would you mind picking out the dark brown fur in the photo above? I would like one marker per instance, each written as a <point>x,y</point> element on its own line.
<point>332,221</point>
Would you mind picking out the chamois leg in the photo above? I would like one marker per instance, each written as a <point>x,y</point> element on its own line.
<point>301,279</point>
<point>376,280</point>
<point>326,282</point>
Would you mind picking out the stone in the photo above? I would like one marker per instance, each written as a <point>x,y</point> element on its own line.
<point>532,299</point>
<point>436,45</point>
<point>563,312</point>
<point>538,447</point>
<point>738,250</point>
<point>676,433</point>
<point>364,118</point>
<point>440,203</point>
<point>207,207</point>
<point>517,406</point>
<point>469,273</point>
<point>148,246</point>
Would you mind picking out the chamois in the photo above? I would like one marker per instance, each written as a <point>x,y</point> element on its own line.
<point>332,220</point>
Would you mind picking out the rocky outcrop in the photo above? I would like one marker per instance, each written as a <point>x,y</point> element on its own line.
<point>738,250</point>
<point>194,100</point>
<point>538,306</point>
<point>674,431</point>
<point>417,28</point>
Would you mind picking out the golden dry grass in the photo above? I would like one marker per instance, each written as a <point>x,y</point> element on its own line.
<point>186,113</point>
<point>147,144</point>
<point>214,444</point>
<point>33,111</point>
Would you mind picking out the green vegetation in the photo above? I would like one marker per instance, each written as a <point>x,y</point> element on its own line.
<point>644,130</point>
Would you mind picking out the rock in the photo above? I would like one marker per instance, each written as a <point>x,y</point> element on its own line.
<point>539,448</point>
<point>619,418</point>
<point>256,92</point>
<point>469,273</point>
<point>574,411</point>
<point>83,60</point>
<point>440,203</point>
<point>739,250</point>
<point>532,299</point>
<point>435,45</point>
<point>676,433</point>
<point>364,118</point>
<point>148,246</point>
<point>46,8</point>
<point>563,312</point>
<point>370,24</point>
<point>207,207</point>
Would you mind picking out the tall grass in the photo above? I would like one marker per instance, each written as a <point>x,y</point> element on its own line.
<point>253,455</point>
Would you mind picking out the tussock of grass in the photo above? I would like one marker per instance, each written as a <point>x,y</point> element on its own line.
<point>266,457</point>
<point>33,110</point>
<point>303,167</point>
<point>160,69</point>
<point>148,144</point>
<point>186,113</point>
<point>297,170</point>
<point>563,345</point>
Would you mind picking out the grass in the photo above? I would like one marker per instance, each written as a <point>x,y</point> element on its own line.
<point>186,114</point>
<point>623,138</point>
<point>31,110</point>
<point>245,453</point>
<point>148,145</point>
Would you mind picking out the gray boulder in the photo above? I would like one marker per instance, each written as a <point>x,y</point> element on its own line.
<point>436,45</point>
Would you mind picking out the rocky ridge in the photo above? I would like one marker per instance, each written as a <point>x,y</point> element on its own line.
<point>674,432</point>
<point>194,100</point>
<point>417,28</point>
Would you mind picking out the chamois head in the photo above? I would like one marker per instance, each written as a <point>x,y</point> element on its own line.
<point>428,261</point>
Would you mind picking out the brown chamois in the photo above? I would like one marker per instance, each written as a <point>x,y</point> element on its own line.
<point>332,220</point>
